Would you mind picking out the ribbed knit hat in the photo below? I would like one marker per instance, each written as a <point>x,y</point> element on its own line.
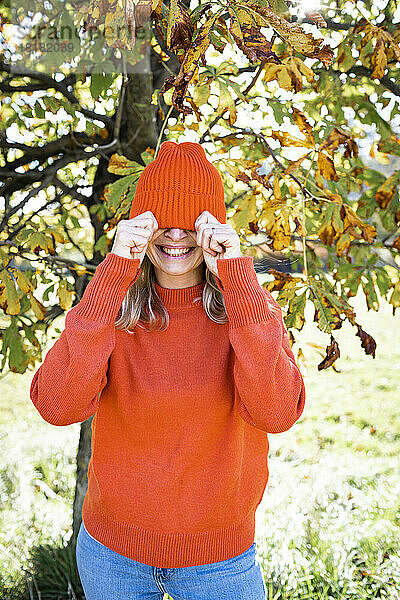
<point>178,186</point>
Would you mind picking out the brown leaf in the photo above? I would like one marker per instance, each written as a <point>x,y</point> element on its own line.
<point>181,29</point>
<point>379,58</point>
<point>326,167</point>
<point>304,126</point>
<point>294,165</point>
<point>332,354</point>
<point>189,66</point>
<point>367,341</point>
<point>351,220</point>
<point>288,140</point>
<point>385,192</point>
<point>293,34</point>
<point>335,139</point>
<point>281,280</point>
<point>96,12</point>
<point>143,10</point>
<point>249,38</point>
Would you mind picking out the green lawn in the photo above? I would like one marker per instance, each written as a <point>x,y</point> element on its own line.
<point>329,523</point>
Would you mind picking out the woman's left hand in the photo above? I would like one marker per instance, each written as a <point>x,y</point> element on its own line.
<point>218,240</point>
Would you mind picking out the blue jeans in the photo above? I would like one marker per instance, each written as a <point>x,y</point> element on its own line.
<point>107,575</point>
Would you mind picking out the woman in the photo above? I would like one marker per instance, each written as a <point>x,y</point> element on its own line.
<point>185,362</point>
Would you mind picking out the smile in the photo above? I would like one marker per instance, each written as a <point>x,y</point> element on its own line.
<point>175,252</point>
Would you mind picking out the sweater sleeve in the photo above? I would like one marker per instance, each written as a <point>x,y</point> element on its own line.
<point>269,387</point>
<point>66,387</point>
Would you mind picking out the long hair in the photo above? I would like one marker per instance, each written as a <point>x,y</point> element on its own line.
<point>142,304</point>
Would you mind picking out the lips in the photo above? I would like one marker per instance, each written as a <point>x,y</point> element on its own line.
<point>176,252</point>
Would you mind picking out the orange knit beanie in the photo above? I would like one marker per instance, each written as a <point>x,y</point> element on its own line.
<point>178,185</point>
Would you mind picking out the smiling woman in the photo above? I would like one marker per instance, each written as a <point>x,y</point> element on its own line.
<point>182,412</point>
<point>172,260</point>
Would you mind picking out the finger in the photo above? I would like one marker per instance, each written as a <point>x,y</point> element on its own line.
<point>138,230</point>
<point>206,238</point>
<point>138,244</point>
<point>215,244</point>
<point>206,217</point>
<point>147,221</point>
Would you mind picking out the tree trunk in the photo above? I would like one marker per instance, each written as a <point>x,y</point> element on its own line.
<point>140,126</point>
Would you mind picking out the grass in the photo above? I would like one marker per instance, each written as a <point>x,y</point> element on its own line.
<point>329,523</point>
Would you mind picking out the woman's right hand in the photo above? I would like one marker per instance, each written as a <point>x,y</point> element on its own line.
<point>133,235</point>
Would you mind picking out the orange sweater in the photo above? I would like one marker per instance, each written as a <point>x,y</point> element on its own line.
<point>179,436</point>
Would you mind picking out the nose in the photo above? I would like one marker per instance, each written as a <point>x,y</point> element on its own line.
<point>175,233</point>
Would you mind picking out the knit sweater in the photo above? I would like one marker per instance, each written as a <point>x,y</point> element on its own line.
<point>181,417</point>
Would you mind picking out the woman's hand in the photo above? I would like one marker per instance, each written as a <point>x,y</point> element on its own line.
<point>133,236</point>
<point>218,240</point>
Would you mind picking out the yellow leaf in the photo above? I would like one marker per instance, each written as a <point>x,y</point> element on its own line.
<point>293,166</point>
<point>37,307</point>
<point>65,294</point>
<point>287,140</point>
<point>379,59</point>
<point>304,126</point>
<point>22,280</point>
<point>226,102</point>
<point>248,36</point>
<point>271,71</point>
<point>12,305</point>
<point>201,94</point>
<point>327,167</point>
<point>284,79</point>
<point>277,189</point>
<point>172,19</point>
<point>385,192</point>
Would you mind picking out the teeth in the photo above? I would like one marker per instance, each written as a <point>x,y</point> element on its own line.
<point>176,251</point>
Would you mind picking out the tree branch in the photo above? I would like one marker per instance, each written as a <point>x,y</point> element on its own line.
<point>59,86</point>
<point>69,142</point>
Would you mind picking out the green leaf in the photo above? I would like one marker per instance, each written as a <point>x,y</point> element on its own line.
<point>13,342</point>
<point>295,314</point>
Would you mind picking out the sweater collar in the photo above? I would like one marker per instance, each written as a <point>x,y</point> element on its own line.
<point>182,297</point>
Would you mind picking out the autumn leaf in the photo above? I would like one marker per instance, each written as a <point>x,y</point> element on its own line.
<point>189,65</point>
<point>9,295</point>
<point>65,293</point>
<point>351,220</point>
<point>119,24</point>
<point>120,165</point>
<point>294,165</point>
<point>379,58</point>
<point>295,313</point>
<point>180,28</point>
<point>394,299</point>
<point>277,226</point>
<point>249,37</point>
<point>282,280</point>
<point>288,140</point>
<point>22,281</point>
<point>226,102</point>
<point>293,34</point>
<point>385,192</point>
<point>96,12</point>
<point>326,167</point>
<point>367,341</point>
<point>38,308</point>
<point>336,138</point>
<point>332,354</point>
<point>304,126</point>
